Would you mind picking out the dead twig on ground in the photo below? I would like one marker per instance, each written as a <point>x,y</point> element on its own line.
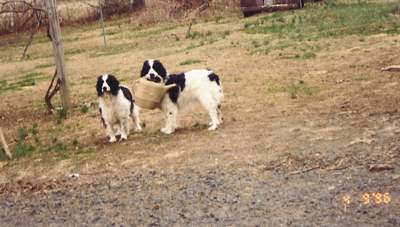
<point>380,167</point>
<point>392,68</point>
<point>304,171</point>
<point>4,144</point>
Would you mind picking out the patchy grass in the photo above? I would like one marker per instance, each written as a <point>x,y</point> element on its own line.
<point>45,65</point>
<point>287,29</point>
<point>61,114</point>
<point>113,50</point>
<point>27,80</point>
<point>197,34</point>
<point>295,89</point>
<point>190,62</point>
<point>74,51</point>
<point>31,140</point>
<point>330,20</point>
<point>24,145</point>
<point>138,32</point>
<point>303,56</point>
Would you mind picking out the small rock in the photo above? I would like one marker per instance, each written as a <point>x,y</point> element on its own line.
<point>74,175</point>
<point>395,177</point>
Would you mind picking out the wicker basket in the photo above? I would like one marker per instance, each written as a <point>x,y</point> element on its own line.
<point>148,95</point>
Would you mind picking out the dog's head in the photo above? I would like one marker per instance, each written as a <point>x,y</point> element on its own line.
<point>154,71</point>
<point>107,84</point>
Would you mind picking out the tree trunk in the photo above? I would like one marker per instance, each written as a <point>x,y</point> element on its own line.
<point>138,4</point>
<point>58,50</point>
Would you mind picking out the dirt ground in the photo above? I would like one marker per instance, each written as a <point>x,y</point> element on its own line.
<point>284,156</point>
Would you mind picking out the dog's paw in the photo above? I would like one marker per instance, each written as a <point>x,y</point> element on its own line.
<point>213,127</point>
<point>167,131</point>
<point>112,140</point>
<point>138,129</point>
<point>123,137</point>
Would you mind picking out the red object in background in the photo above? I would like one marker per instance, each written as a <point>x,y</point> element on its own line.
<point>250,7</point>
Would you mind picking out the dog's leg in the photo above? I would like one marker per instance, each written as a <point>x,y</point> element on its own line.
<point>212,107</point>
<point>171,111</point>
<point>213,112</point>
<point>219,112</point>
<point>124,128</point>
<point>136,119</point>
<point>110,132</point>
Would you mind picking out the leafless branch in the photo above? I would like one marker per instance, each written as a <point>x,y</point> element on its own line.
<point>195,13</point>
<point>51,91</point>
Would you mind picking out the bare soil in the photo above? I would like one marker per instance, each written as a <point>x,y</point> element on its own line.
<point>278,159</point>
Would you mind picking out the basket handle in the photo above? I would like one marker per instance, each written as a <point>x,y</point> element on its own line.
<point>167,87</point>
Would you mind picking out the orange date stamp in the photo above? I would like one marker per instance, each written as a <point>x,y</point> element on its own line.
<point>368,198</point>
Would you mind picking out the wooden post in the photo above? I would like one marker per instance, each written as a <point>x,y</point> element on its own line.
<point>58,50</point>
<point>4,143</point>
<point>102,23</point>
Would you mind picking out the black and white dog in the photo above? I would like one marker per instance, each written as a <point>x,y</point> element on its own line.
<point>116,106</point>
<point>202,85</point>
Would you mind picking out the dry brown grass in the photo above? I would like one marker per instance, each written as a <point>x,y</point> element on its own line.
<point>258,117</point>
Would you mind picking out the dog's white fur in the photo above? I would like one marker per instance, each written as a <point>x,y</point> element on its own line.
<point>116,112</point>
<point>198,87</point>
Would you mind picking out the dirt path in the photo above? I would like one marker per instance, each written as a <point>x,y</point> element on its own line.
<point>240,186</point>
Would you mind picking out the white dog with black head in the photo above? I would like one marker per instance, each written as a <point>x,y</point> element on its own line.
<point>200,85</point>
<point>116,106</point>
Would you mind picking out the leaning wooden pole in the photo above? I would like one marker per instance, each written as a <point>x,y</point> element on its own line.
<point>58,50</point>
<point>4,144</point>
<point>103,26</point>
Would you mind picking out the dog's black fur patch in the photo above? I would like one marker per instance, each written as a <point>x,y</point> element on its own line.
<point>214,77</point>
<point>113,82</point>
<point>99,86</point>
<point>180,81</point>
<point>128,95</point>
<point>160,69</point>
<point>145,69</point>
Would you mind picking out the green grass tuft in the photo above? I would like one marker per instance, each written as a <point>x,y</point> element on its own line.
<point>61,114</point>
<point>84,109</point>
<point>190,62</point>
<point>46,65</point>
<point>295,90</point>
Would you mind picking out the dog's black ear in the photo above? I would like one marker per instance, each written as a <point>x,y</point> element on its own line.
<point>159,68</point>
<point>99,86</point>
<point>145,68</point>
<point>113,82</point>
